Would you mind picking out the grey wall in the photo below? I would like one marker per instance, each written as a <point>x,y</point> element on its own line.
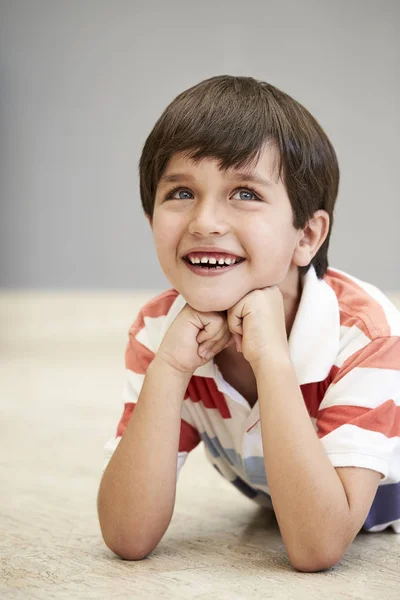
<point>83,82</point>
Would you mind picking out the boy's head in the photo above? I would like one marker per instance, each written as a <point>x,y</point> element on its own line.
<point>211,132</point>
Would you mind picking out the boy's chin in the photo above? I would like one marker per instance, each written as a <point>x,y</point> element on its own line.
<point>210,304</point>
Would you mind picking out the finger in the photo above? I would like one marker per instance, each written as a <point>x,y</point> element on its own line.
<point>230,342</point>
<point>211,330</point>
<point>211,337</point>
<point>215,346</point>
<point>226,341</point>
<point>238,341</point>
<point>206,351</point>
<point>207,348</point>
<point>235,323</point>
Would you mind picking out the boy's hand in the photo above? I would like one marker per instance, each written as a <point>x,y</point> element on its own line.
<point>257,323</point>
<point>190,335</point>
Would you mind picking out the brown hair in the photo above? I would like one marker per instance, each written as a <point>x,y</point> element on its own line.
<point>231,119</point>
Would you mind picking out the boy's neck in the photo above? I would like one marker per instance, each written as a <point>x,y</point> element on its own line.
<point>291,290</point>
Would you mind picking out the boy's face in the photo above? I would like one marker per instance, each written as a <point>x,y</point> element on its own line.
<point>216,208</point>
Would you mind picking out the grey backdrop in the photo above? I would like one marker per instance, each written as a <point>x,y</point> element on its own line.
<point>83,82</point>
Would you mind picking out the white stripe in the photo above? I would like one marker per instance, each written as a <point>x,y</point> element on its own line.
<point>109,449</point>
<point>186,414</point>
<point>352,340</point>
<point>182,456</point>
<point>173,312</point>
<point>133,386</point>
<point>364,387</point>
<point>352,446</point>
<point>149,335</point>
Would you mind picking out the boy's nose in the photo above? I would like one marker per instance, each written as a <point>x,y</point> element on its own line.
<point>208,218</point>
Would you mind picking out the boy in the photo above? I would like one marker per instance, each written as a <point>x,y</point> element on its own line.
<point>288,371</point>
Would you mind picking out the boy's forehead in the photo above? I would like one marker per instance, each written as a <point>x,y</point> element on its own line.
<point>264,169</point>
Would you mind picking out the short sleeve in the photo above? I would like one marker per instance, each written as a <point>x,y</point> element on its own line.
<point>138,356</point>
<point>358,420</point>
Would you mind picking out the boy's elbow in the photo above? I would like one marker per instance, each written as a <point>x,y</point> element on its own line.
<point>130,552</point>
<point>130,543</point>
<point>316,563</point>
<point>127,549</point>
<point>123,541</point>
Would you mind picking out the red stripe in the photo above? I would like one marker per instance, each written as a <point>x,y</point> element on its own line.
<point>157,307</point>
<point>137,356</point>
<point>126,415</point>
<point>313,393</point>
<point>381,353</point>
<point>385,418</point>
<point>204,389</point>
<point>357,307</point>
<point>189,436</point>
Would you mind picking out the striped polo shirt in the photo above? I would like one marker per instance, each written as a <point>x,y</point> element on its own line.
<point>345,348</point>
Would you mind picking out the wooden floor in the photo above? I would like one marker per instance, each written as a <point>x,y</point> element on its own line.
<point>62,373</point>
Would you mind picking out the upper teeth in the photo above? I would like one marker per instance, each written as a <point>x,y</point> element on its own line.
<point>213,261</point>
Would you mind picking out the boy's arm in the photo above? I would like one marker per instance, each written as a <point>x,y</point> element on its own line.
<point>137,492</point>
<point>308,495</point>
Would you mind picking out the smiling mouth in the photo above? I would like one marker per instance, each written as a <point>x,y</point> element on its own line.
<point>211,266</point>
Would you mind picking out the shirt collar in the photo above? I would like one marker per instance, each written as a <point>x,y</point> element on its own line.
<point>314,337</point>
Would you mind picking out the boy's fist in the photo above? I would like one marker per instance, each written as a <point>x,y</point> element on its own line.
<point>194,338</point>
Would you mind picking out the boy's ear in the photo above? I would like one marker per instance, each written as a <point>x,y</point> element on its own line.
<point>311,239</point>
<point>148,217</point>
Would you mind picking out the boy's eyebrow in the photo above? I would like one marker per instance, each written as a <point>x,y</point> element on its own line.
<point>243,175</point>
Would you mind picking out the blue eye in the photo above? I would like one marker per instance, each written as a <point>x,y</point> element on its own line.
<point>178,189</point>
<point>247,190</point>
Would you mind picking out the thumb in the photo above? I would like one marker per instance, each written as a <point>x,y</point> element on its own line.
<point>238,341</point>
<point>231,341</point>
<point>235,339</point>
